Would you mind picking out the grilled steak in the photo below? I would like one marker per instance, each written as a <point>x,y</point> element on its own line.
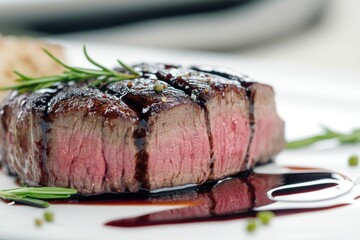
<point>172,126</point>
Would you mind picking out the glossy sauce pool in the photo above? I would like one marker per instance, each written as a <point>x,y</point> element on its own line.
<point>236,197</point>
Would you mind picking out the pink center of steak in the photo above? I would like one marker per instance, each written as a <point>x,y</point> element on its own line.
<point>229,122</point>
<point>90,145</point>
<point>77,159</point>
<point>91,159</point>
<point>178,148</point>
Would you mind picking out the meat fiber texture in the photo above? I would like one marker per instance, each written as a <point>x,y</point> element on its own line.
<point>206,124</point>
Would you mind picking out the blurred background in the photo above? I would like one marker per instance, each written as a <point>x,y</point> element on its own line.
<point>322,33</point>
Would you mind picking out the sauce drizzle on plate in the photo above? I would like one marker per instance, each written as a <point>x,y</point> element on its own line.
<point>236,197</point>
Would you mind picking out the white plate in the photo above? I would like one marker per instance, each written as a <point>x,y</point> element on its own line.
<point>305,98</point>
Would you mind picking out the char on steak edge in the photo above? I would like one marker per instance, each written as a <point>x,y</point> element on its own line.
<point>204,125</point>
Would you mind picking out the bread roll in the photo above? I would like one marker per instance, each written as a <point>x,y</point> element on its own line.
<point>26,56</point>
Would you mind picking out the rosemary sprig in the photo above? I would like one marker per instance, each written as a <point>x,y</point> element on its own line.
<point>102,75</point>
<point>34,196</point>
<point>342,138</point>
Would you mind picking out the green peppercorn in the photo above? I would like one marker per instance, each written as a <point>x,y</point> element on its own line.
<point>353,160</point>
<point>130,84</point>
<point>265,217</point>
<point>48,216</point>
<point>251,226</point>
<point>38,222</point>
<point>159,88</point>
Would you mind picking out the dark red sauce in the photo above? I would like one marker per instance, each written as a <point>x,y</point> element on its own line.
<point>232,198</point>
<point>166,217</point>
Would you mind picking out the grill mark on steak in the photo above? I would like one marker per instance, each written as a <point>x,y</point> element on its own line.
<point>251,96</point>
<point>142,156</point>
<point>244,81</point>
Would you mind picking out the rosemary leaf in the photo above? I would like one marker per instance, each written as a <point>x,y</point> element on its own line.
<point>34,196</point>
<point>42,190</point>
<point>128,68</point>
<point>60,62</point>
<point>45,196</point>
<point>100,75</point>
<point>342,138</point>
<point>31,202</point>
<point>93,62</point>
<point>308,141</point>
<point>22,76</point>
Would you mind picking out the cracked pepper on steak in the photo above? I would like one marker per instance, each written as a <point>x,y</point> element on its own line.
<point>200,124</point>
